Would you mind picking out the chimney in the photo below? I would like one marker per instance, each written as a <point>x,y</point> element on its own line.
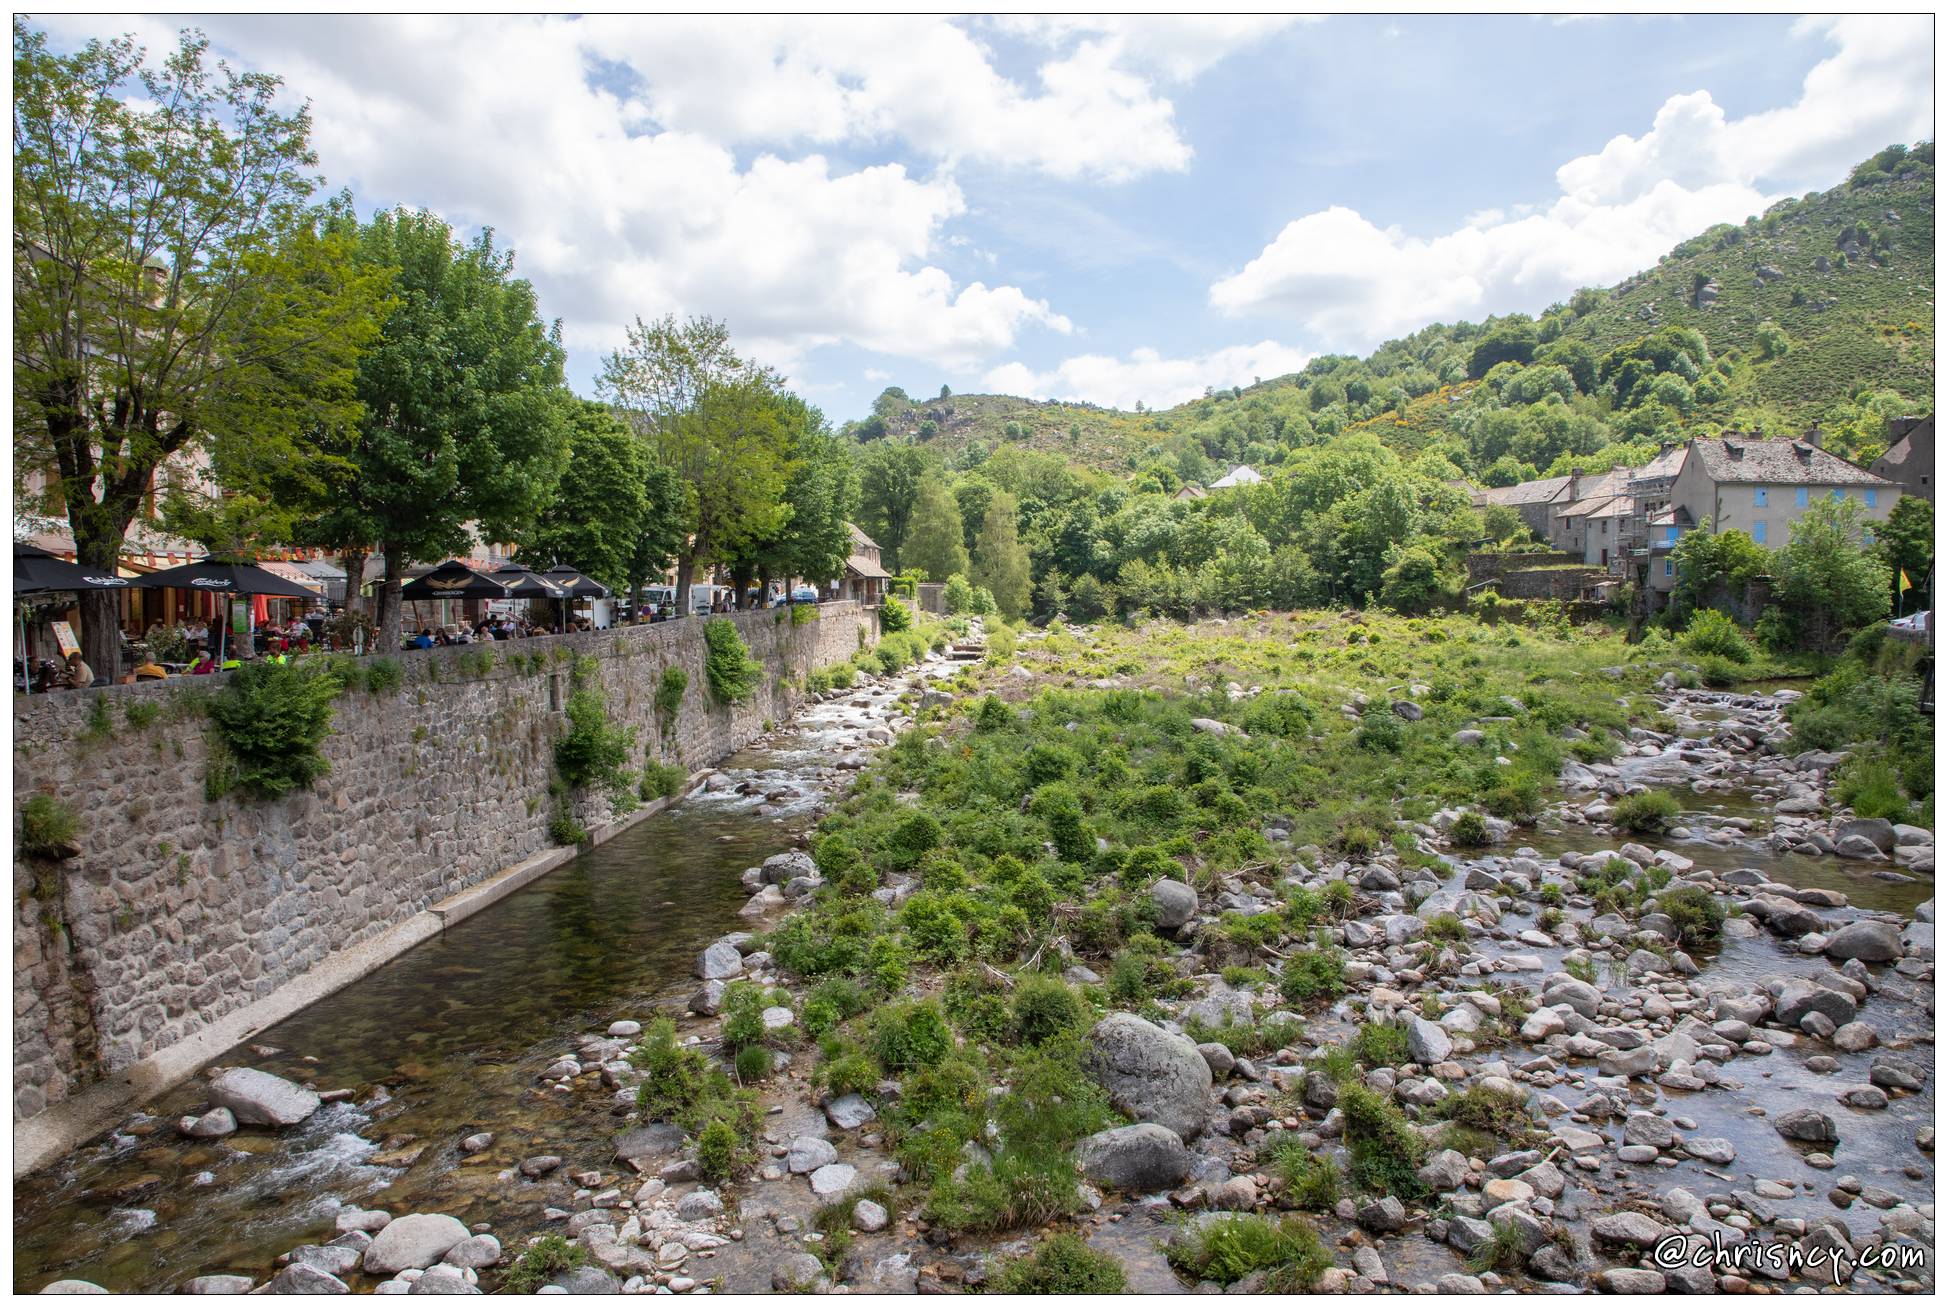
<point>1815,437</point>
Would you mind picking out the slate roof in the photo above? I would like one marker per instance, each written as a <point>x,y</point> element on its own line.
<point>1528,492</point>
<point>1739,460</point>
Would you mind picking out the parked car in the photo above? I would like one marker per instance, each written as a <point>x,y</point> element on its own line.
<point>805,595</point>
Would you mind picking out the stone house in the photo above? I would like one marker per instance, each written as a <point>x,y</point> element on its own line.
<point>1909,461</point>
<point>1758,486</point>
<point>1573,518</point>
<point>865,578</point>
<point>1532,500</point>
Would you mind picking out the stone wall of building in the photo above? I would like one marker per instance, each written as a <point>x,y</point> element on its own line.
<point>178,910</point>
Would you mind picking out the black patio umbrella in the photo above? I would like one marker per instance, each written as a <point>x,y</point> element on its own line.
<point>454,580</point>
<point>577,585</point>
<point>525,583</point>
<point>37,571</point>
<point>213,576</point>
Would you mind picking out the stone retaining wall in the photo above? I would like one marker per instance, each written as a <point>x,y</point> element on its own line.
<point>178,910</point>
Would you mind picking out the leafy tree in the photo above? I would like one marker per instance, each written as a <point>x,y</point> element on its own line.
<point>172,292</point>
<point>1772,339</point>
<point>889,483</point>
<point>660,531</point>
<point>1702,561</point>
<point>821,496</point>
<point>891,403</point>
<point>1499,523</point>
<point>1000,561</point>
<point>718,421</point>
<point>466,416</point>
<point>1827,583</point>
<point>1413,582</point>
<point>934,540</point>
<point>1511,342</point>
<point>595,520</point>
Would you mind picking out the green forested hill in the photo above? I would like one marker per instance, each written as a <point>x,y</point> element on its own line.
<point>1821,308</point>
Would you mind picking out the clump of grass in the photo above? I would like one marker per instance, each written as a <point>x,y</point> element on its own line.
<point>1061,1264</point>
<point>1647,813</point>
<point>540,1263</point>
<point>1379,1044</point>
<point>1312,1180</point>
<point>1483,1109</point>
<point>1699,916</point>
<point>1504,1248</point>
<point>47,828</point>
<point>1312,974</point>
<point>1447,926</point>
<point>1385,1149</point>
<point>1470,831</point>
<point>662,780</point>
<point>1227,1249</point>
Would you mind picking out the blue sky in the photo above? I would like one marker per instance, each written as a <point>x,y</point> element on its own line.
<point>1108,210</point>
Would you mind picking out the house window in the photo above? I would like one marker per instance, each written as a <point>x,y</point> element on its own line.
<point>1758,531</point>
<point>1866,535</point>
<point>1799,497</point>
<point>1758,497</point>
<point>1872,497</point>
<point>1670,535</point>
<point>1668,569</point>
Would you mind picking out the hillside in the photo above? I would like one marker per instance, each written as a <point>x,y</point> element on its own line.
<point>1820,309</point>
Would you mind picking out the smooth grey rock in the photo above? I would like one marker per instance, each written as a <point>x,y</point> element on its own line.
<point>444,1280</point>
<point>1144,1158</point>
<point>1427,1042</point>
<point>808,1153</point>
<point>1807,1125</point>
<point>699,1205</point>
<point>1870,942</point>
<point>416,1240</point>
<point>833,1180</point>
<point>1150,1074</point>
<point>72,1286</point>
<point>261,1099</point>
<point>475,1251</point>
<point>868,1216</point>
<point>720,962</point>
<point>298,1278</point>
<point>849,1112</point>
<point>1173,902</point>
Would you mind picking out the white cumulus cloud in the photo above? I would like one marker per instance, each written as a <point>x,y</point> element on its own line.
<point>1352,283</point>
<point>1146,375</point>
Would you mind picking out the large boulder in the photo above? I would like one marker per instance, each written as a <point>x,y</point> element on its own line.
<point>1173,902</point>
<point>1427,1042</point>
<point>1870,942</point>
<point>1150,1074</point>
<point>1143,1158</point>
<point>1878,832</point>
<point>416,1240</point>
<point>1800,997</point>
<point>1808,1125</point>
<point>720,962</point>
<point>259,1099</point>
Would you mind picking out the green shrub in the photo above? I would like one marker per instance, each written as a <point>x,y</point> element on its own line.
<point>1379,1044</point>
<point>663,780</point>
<point>1470,831</point>
<point>910,1035</point>
<point>1719,673</point>
<point>1044,1008</point>
<point>47,828</point>
<point>1712,633</point>
<point>1380,730</point>
<point>1229,1248</point>
<point>728,666</point>
<point>1871,787</point>
<point>753,1063</point>
<point>801,614</point>
<point>720,1151</point>
<point>563,829</point>
<point>1646,813</point>
<point>1060,1264</point>
<point>1490,1111</point>
<point>893,616</point>
<point>540,1263</point>
<point>1315,973</point>
<point>1699,916</point>
<point>594,751</point>
<point>269,724</point>
<point>383,675</point>
<point>140,713</point>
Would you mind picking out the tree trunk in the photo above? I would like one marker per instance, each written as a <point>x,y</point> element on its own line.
<point>686,566</point>
<point>352,559</point>
<point>101,633</point>
<point>389,618</point>
<point>764,589</point>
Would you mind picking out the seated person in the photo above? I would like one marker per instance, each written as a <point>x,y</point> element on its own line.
<point>79,673</point>
<point>151,671</point>
<point>203,665</point>
<point>424,640</point>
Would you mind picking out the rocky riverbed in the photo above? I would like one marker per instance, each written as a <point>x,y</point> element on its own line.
<point>1663,1108</point>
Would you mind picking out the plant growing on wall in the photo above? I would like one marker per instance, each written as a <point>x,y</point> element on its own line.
<point>595,752</point>
<point>732,672</point>
<point>47,829</point>
<point>669,698</point>
<point>269,723</point>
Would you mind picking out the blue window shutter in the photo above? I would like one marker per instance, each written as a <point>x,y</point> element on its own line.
<point>1758,532</point>
<point>1873,498</point>
<point>1799,497</point>
<point>1758,496</point>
